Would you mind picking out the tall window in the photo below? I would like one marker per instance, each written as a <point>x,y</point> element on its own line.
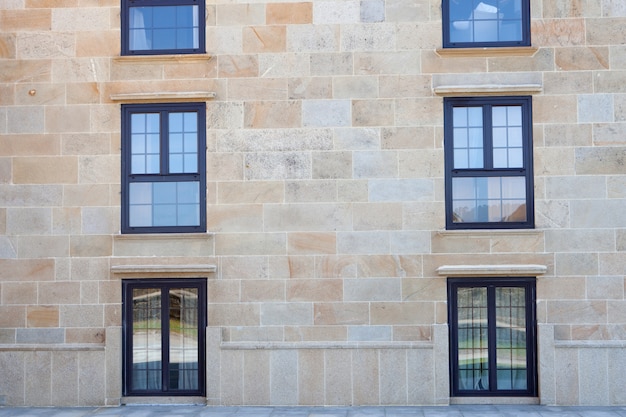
<point>164,332</point>
<point>163,168</point>
<point>492,337</point>
<point>152,27</point>
<point>480,23</point>
<point>488,159</point>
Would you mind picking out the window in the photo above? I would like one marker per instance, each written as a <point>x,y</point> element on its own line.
<point>151,27</point>
<point>163,168</point>
<point>492,336</point>
<point>483,23</point>
<point>488,159</point>
<point>164,336</point>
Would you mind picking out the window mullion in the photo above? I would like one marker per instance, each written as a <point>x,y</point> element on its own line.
<point>165,338</point>
<point>487,136</point>
<point>164,143</point>
<point>492,337</point>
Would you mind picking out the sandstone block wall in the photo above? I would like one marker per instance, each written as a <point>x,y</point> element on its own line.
<point>325,198</point>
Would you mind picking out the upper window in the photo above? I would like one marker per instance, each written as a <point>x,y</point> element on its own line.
<point>163,168</point>
<point>488,159</point>
<point>151,27</point>
<point>480,23</point>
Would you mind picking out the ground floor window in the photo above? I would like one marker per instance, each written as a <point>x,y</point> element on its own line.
<point>164,324</point>
<point>492,337</point>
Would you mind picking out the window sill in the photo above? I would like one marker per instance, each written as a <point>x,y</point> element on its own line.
<point>163,59</point>
<point>507,270</point>
<point>486,52</point>
<point>494,400</point>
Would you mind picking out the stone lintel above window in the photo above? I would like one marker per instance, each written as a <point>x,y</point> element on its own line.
<point>505,270</point>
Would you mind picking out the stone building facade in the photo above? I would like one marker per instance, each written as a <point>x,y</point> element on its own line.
<point>327,252</point>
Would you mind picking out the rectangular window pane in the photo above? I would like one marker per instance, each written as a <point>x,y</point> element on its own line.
<point>507,137</point>
<point>511,338</point>
<point>485,20</point>
<point>163,27</point>
<point>146,339</point>
<point>164,204</point>
<point>472,338</point>
<point>145,149</point>
<point>468,137</point>
<point>489,199</point>
<point>183,142</point>
<point>184,356</point>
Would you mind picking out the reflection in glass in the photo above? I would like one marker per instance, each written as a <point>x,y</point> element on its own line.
<point>468,137</point>
<point>485,20</point>
<point>144,147</point>
<point>147,360</point>
<point>507,137</point>
<point>183,142</point>
<point>511,338</point>
<point>473,358</point>
<point>183,315</point>
<point>489,199</point>
<point>164,204</point>
<point>163,27</point>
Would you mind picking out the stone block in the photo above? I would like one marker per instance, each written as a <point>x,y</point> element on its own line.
<point>577,311</point>
<point>297,13</point>
<point>335,12</point>
<point>367,37</point>
<point>612,263</point>
<point>392,86</point>
<point>291,267</point>
<point>365,382</point>
<point>603,31</point>
<point>286,314</point>
<point>338,380</point>
<point>371,164</point>
<point>250,244</point>
<point>315,333</point>
<point>409,242</point>
<point>256,377</point>
<point>372,289</point>
<point>616,311</point>
<point>87,70</point>
<point>19,293</point>
<point>367,216</point>
<point>592,213</point>
<point>242,314</point>
<point>341,314</point>
<point>396,190</point>
<point>326,113</point>
<point>387,266</point>
<point>272,114</point>
<point>311,378</point>
<point>262,291</point>
<point>578,82</point>
<point>240,14</point>
<point>264,39</point>
<point>331,165</point>
<point>418,112</point>
<point>313,38</point>
<point>310,88</point>
<point>432,63</point>
<point>252,334</point>
<point>423,289</point>
<point>576,187</point>
<point>609,134</point>
<point>91,246</point>
<point>372,11</point>
<point>42,316</point>
<point>309,191</point>
<point>235,218</point>
<point>41,246</point>
<point>327,64</point>
<point>75,335</point>
<point>12,316</point>
<point>91,378</point>
<point>8,49</point>
<point>311,243</point>
<point>352,191</point>
<point>316,290</point>
<point>595,108</point>
<point>21,20</point>
<point>248,267</point>
<point>100,220</point>
<point>421,378</point>
<point>413,334</point>
<point>37,391</point>
<point>238,66</point>
<point>98,43</point>
<point>363,243</point>
<point>561,288</point>
<point>28,221</point>
<point>594,366</point>
<point>80,19</point>
<point>350,87</point>
<point>12,384</point>
<point>40,336</point>
<point>568,264</point>
<point>257,89</point>
<point>231,377</point>
<point>64,379</point>
<point>284,65</point>
<point>397,313</point>
<point>606,287</point>
<point>45,170</point>
<point>284,377</point>
<point>610,82</point>
<point>599,161</point>
<point>582,58</point>
<point>224,40</point>
<point>373,112</point>
<point>393,377</point>
<point>304,217</point>
<point>357,138</point>
<point>369,333</point>
<point>560,32</point>
<point>616,187</point>
<point>81,315</point>
<point>25,119</point>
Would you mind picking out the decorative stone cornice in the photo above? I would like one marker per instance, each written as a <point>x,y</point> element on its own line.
<point>507,270</point>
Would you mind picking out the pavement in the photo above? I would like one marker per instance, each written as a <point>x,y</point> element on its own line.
<point>211,411</point>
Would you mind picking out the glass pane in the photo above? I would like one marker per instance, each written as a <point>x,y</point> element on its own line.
<point>507,137</point>
<point>140,204</point>
<point>485,20</point>
<point>184,357</point>
<point>489,199</point>
<point>511,338</point>
<point>163,27</point>
<point>183,142</point>
<point>164,204</point>
<point>468,135</point>
<point>472,339</point>
<point>144,147</point>
<point>146,339</point>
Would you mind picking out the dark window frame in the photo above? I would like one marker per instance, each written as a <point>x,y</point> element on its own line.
<point>445,23</point>
<point>127,348</point>
<point>128,177</point>
<point>125,26</point>
<point>529,283</point>
<point>489,171</point>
